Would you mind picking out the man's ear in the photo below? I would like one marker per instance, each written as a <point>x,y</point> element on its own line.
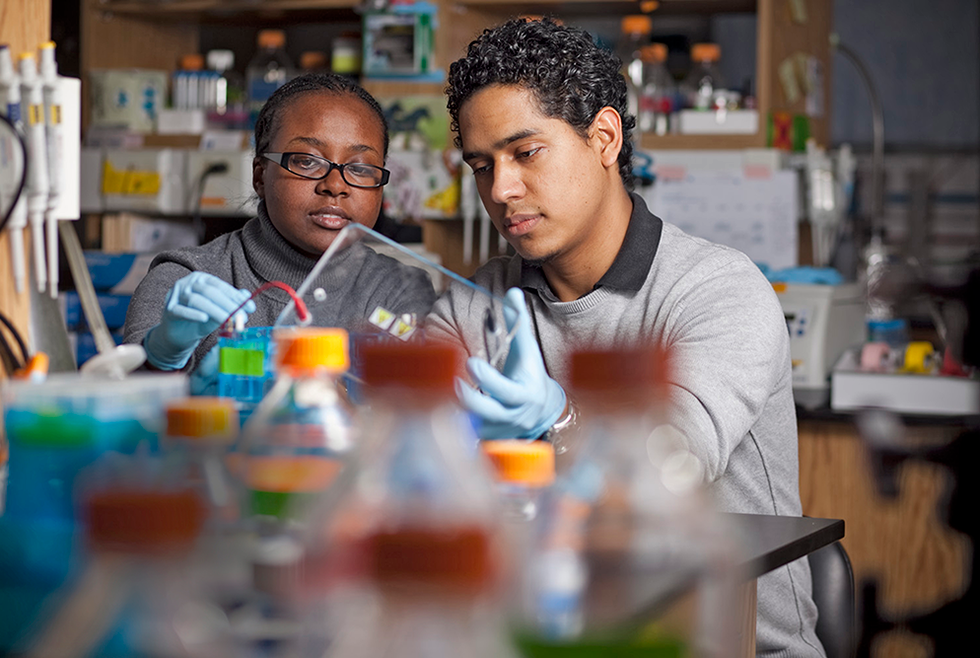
<point>606,133</point>
<point>258,168</point>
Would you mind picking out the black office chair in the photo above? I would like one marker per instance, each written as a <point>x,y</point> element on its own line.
<point>833,592</point>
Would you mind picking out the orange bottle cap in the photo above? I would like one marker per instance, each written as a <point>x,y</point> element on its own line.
<point>312,60</point>
<point>421,367</point>
<point>705,52</point>
<point>522,462</point>
<point>449,557</point>
<point>271,39</point>
<point>210,418</point>
<point>654,52</point>
<point>136,520</point>
<point>636,24</point>
<point>192,62</point>
<point>639,373</point>
<point>313,348</point>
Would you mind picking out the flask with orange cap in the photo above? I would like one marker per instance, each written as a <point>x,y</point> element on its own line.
<point>418,525</point>
<point>299,436</point>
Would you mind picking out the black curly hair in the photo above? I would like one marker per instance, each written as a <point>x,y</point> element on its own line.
<point>571,77</point>
<point>265,124</point>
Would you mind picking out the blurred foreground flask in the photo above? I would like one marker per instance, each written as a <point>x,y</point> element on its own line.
<point>418,525</point>
<point>633,505</point>
<point>144,590</point>
<point>295,442</point>
<point>200,433</point>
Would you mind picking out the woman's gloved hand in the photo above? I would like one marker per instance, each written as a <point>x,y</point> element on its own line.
<point>204,379</point>
<point>195,306</point>
<point>523,401</point>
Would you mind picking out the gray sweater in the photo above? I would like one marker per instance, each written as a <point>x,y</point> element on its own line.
<point>731,393</point>
<point>360,282</point>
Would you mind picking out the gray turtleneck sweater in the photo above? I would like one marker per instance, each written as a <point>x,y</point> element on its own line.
<point>360,282</point>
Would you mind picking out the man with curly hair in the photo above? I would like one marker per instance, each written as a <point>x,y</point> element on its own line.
<point>540,113</point>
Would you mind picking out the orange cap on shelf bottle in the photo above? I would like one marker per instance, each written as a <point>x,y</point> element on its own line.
<point>636,24</point>
<point>271,39</point>
<point>705,52</point>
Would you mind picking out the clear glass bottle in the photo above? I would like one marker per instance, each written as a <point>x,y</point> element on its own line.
<point>145,587</point>
<point>419,521</point>
<point>200,433</point>
<point>523,470</point>
<point>658,92</point>
<point>187,83</point>
<point>634,34</point>
<point>704,88</point>
<point>269,69</point>
<point>300,435</point>
<point>635,498</point>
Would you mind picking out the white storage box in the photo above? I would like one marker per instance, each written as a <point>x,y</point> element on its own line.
<point>853,389</point>
<point>148,180</point>
<point>710,122</point>
<point>226,194</point>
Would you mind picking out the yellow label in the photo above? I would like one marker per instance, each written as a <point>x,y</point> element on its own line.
<point>35,114</point>
<point>116,181</point>
<point>55,115</point>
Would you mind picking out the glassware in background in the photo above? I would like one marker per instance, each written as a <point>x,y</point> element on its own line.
<point>877,258</point>
<point>230,110</point>
<point>345,54</point>
<point>418,525</point>
<point>658,91</point>
<point>188,90</point>
<point>269,69</point>
<point>704,88</point>
<point>230,94</point>
<point>634,34</point>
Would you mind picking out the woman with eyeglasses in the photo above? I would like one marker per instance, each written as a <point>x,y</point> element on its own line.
<point>320,147</point>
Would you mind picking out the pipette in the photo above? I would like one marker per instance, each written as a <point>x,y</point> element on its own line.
<point>32,105</point>
<point>11,166</point>
<point>54,132</point>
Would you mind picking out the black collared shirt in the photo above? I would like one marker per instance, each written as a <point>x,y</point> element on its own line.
<point>632,264</point>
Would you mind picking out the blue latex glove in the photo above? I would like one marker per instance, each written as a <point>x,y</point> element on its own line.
<point>195,306</point>
<point>523,401</point>
<point>204,379</point>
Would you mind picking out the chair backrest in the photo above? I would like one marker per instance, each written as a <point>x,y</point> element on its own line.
<point>833,592</point>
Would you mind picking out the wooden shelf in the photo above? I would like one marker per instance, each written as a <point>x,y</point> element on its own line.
<point>652,142</point>
<point>238,11</point>
<point>612,7</point>
<point>221,6</point>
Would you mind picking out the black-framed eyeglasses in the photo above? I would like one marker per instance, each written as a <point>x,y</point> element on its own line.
<point>356,174</point>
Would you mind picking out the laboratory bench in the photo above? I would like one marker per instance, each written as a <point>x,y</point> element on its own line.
<point>618,597</point>
<point>901,542</point>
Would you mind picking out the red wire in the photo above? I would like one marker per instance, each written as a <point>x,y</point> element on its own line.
<point>301,309</point>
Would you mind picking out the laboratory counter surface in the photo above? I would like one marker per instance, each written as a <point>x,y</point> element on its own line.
<point>825,413</point>
<point>621,596</point>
